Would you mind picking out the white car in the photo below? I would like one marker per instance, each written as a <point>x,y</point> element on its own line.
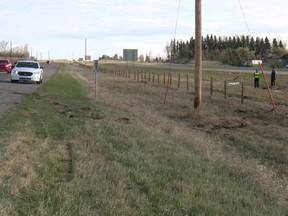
<point>27,70</point>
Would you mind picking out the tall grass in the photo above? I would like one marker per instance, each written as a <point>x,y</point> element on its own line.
<point>65,154</point>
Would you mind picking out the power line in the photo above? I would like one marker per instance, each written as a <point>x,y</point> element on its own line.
<point>247,26</point>
<point>176,24</point>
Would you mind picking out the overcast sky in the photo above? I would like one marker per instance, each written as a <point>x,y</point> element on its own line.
<point>59,27</point>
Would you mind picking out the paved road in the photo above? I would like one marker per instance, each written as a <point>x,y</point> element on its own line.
<point>12,94</point>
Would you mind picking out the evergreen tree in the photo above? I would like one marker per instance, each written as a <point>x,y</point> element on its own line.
<point>275,43</point>
<point>232,50</point>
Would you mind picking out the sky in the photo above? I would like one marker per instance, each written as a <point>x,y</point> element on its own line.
<point>58,29</point>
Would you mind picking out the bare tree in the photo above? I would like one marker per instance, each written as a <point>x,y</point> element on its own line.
<point>167,50</point>
<point>141,58</point>
<point>3,45</point>
<point>149,56</point>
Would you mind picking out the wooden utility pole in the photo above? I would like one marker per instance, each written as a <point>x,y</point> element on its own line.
<point>10,50</point>
<point>198,57</point>
<point>85,51</point>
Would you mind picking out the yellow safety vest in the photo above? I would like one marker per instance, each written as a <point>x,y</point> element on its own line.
<point>257,75</point>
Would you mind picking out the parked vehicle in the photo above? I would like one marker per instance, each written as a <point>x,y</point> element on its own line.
<point>247,64</point>
<point>5,65</point>
<point>27,70</point>
<point>13,64</point>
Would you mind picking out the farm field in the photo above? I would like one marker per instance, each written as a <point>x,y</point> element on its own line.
<point>120,150</point>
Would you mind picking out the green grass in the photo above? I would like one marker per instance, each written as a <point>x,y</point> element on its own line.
<point>71,155</point>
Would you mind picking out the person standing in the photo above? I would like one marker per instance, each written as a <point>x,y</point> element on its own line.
<point>273,76</point>
<point>256,76</point>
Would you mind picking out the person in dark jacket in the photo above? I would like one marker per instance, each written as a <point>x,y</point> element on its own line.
<point>273,76</point>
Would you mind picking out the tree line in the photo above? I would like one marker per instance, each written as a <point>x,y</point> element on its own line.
<point>6,50</point>
<point>233,50</point>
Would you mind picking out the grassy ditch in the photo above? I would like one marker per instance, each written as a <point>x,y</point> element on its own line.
<point>64,153</point>
<point>251,128</point>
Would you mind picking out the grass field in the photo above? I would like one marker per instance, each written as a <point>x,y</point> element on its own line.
<point>67,151</point>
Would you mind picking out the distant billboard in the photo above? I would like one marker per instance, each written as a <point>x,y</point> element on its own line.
<point>88,58</point>
<point>130,54</point>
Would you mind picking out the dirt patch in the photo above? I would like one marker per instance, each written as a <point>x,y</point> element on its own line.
<point>123,120</point>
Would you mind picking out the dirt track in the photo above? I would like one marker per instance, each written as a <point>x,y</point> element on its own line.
<point>12,94</point>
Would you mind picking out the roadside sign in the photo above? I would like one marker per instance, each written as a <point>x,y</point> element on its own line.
<point>96,69</point>
<point>96,66</point>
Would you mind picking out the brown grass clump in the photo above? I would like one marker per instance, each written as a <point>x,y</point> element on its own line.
<point>19,162</point>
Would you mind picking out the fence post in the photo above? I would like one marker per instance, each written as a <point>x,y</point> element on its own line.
<point>242,93</point>
<point>187,82</point>
<point>225,86</point>
<point>211,86</point>
<point>179,80</point>
<point>164,79</point>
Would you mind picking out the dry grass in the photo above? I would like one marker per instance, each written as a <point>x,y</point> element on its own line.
<point>223,120</point>
<point>125,152</point>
